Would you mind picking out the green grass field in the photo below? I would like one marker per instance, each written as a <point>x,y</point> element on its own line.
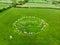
<point>2,5</point>
<point>50,36</point>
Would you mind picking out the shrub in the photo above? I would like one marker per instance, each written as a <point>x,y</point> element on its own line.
<point>26,0</point>
<point>1,9</point>
<point>21,2</point>
<point>56,2</point>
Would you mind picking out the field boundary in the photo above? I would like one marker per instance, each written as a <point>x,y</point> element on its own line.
<point>35,5</point>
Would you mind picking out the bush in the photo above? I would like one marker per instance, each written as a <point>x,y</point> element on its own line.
<point>56,2</point>
<point>21,2</point>
<point>1,9</point>
<point>26,0</point>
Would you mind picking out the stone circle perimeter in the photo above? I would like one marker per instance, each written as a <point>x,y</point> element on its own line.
<point>29,25</point>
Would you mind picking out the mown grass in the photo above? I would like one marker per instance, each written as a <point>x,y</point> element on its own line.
<point>2,5</point>
<point>50,36</point>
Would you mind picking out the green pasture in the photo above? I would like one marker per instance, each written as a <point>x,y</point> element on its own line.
<point>50,36</point>
<point>3,5</point>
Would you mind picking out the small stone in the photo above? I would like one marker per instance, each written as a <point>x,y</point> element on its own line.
<point>31,33</point>
<point>18,19</point>
<point>43,27</point>
<point>11,37</point>
<point>25,32</point>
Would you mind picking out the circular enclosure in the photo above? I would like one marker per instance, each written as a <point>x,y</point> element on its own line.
<point>29,24</point>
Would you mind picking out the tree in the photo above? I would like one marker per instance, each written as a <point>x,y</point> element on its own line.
<point>22,1</point>
<point>14,3</point>
<point>26,0</point>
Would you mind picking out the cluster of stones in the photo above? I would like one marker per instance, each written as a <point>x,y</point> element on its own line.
<point>23,21</point>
